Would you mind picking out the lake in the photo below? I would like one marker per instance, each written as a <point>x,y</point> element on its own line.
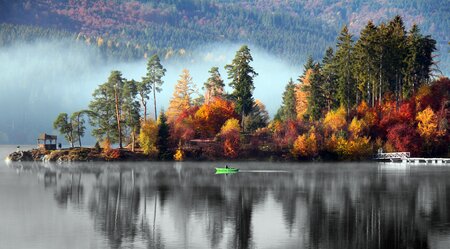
<point>186,205</point>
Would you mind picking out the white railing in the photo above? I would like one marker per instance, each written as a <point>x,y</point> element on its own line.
<point>393,155</point>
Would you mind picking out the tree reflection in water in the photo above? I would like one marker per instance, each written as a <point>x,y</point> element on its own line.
<point>165,205</point>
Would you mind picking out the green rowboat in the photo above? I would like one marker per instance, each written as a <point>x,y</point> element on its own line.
<point>226,170</point>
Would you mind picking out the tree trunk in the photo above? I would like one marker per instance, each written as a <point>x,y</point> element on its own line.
<point>242,121</point>
<point>154,100</point>
<point>133,139</point>
<point>118,119</point>
<point>78,129</point>
<point>144,104</point>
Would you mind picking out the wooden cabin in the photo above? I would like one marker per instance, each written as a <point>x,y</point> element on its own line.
<point>47,142</point>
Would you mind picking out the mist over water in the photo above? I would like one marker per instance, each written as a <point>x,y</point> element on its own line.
<point>39,80</point>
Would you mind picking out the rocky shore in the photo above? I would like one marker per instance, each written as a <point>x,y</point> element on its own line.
<point>77,155</point>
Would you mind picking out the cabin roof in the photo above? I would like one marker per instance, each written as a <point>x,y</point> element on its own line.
<point>45,136</point>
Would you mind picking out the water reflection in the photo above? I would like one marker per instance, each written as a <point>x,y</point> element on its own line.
<point>184,205</point>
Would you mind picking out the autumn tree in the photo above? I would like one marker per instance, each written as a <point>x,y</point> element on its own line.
<point>302,93</point>
<point>229,134</point>
<point>403,137</point>
<point>335,120</point>
<point>210,117</point>
<point>152,80</point>
<point>182,96</point>
<point>306,145</point>
<point>241,75</point>
<point>148,136</point>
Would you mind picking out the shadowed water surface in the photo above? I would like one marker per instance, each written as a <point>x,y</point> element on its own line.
<point>185,205</point>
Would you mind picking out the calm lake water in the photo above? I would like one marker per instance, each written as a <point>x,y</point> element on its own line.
<point>185,205</point>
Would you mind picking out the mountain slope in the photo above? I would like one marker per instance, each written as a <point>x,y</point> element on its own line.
<point>292,29</point>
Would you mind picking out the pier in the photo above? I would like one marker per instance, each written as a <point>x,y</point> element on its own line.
<point>405,157</point>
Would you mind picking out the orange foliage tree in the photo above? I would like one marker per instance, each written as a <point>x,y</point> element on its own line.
<point>306,145</point>
<point>229,133</point>
<point>301,96</point>
<point>182,96</point>
<point>210,117</point>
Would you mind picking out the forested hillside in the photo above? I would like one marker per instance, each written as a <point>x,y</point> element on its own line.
<point>129,29</point>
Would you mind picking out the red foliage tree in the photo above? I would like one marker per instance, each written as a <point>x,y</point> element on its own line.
<point>404,138</point>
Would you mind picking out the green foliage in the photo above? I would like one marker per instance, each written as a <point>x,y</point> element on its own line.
<point>114,111</point>
<point>64,126</point>
<point>343,60</point>
<point>162,140</point>
<point>78,123</point>
<point>258,117</point>
<point>241,75</point>
<point>214,85</point>
<point>153,79</point>
<point>288,110</point>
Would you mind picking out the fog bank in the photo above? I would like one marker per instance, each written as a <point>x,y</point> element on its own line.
<point>42,79</point>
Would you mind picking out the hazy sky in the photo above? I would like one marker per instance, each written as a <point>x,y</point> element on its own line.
<point>41,79</point>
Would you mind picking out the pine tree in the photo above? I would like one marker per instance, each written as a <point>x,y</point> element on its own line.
<point>396,55</point>
<point>287,110</point>
<point>343,60</point>
<point>419,60</point>
<point>329,79</point>
<point>182,96</point>
<point>257,118</point>
<point>106,109</point>
<point>316,99</point>
<point>241,75</point>
<point>152,80</point>
<point>214,85</point>
<point>162,140</point>
<point>365,64</point>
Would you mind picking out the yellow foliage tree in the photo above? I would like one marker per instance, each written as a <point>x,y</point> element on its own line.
<point>99,41</point>
<point>306,145</point>
<point>357,127</point>
<point>181,99</point>
<point>335,120</point>
<point>428,124</point>
<point>179,155</point>
<point>231,124</point>
<point>301,96</point>
<point>148,137</point>
<point>358,148</point>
